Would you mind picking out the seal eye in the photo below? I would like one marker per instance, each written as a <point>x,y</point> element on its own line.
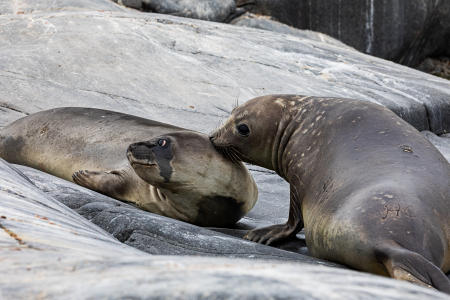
<point>162,143</point>
<point>243,130</point>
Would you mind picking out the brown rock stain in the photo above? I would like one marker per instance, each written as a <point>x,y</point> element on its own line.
<point>12,234</point>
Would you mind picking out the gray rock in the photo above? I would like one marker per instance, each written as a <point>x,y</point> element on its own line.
<point>32,6</point>
<point>124,67</point>
<point>51,252</point>
<point>210,10</point>
<point>402,31</point>
<point>442,143</point>
<point>189,72</point>
<point>267,23</point>
<point>155,234</point>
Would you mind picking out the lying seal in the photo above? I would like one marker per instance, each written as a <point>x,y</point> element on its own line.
<point>369,189</point>
<point>181,174</point>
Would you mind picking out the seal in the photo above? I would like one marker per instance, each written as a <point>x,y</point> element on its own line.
<point>370,191</point>
<point>170,171</point>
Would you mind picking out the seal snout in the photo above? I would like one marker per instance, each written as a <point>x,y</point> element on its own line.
<point>141,153</point>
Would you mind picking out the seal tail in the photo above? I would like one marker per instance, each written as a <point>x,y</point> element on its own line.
<point>407,265</point>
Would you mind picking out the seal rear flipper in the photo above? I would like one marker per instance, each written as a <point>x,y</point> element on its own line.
<point>110,183</point>
<point>411,266</point>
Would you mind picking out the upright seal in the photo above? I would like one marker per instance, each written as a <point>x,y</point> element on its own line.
<point>369,189</point>
<point>174,172</point>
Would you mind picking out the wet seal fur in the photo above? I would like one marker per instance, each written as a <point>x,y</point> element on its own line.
<point>370,191</point>
<point>170,171</point>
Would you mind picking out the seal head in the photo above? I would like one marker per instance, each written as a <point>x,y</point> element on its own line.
<point>201,182</point>
<point>254,131</point>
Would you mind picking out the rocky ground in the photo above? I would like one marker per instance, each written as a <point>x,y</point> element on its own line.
<point>407,32</point>
<point>189,73</point>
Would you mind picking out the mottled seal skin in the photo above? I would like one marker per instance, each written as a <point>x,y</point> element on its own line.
<point>370,191</point>
<point>169,171</point>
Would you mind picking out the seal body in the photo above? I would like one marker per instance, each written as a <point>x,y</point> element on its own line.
<point>170,171</point>
<point>370,191</point>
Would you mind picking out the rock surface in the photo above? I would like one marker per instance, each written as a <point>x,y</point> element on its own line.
<point>49,251</point>
<point>442,143</point>
<point>267,23</point>
<point>402,31</point>
<point>155,234</point>
<point>189,73</point>
<point>210,10</point>
<point>32,6</point>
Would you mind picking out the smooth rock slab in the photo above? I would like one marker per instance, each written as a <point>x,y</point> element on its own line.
<point>48,251</point>
<point>188,72</point>
<point>155,234</point>
<point>39,6</point>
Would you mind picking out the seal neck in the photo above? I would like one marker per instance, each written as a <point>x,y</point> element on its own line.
<point>285,130</point>
<point>303,146</point>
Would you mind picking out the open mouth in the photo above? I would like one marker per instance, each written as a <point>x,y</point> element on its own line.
<point>144,164</point>
<point>141,162</point>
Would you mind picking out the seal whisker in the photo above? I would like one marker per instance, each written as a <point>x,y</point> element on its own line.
<point>228,153</point>
<point>232,156</point>
<point>236,157</point>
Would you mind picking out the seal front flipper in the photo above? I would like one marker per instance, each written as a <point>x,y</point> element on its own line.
<point>277,233</point>
<point>110,183</point>
<point>410,266</point>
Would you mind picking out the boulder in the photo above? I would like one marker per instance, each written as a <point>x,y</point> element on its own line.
<point>268,23</point>
<point>402,31</point>
<point>49,251</point>
<point>210,10</point>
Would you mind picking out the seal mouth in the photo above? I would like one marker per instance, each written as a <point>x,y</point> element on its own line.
<point>144,164</point>
<point>140,162</point>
